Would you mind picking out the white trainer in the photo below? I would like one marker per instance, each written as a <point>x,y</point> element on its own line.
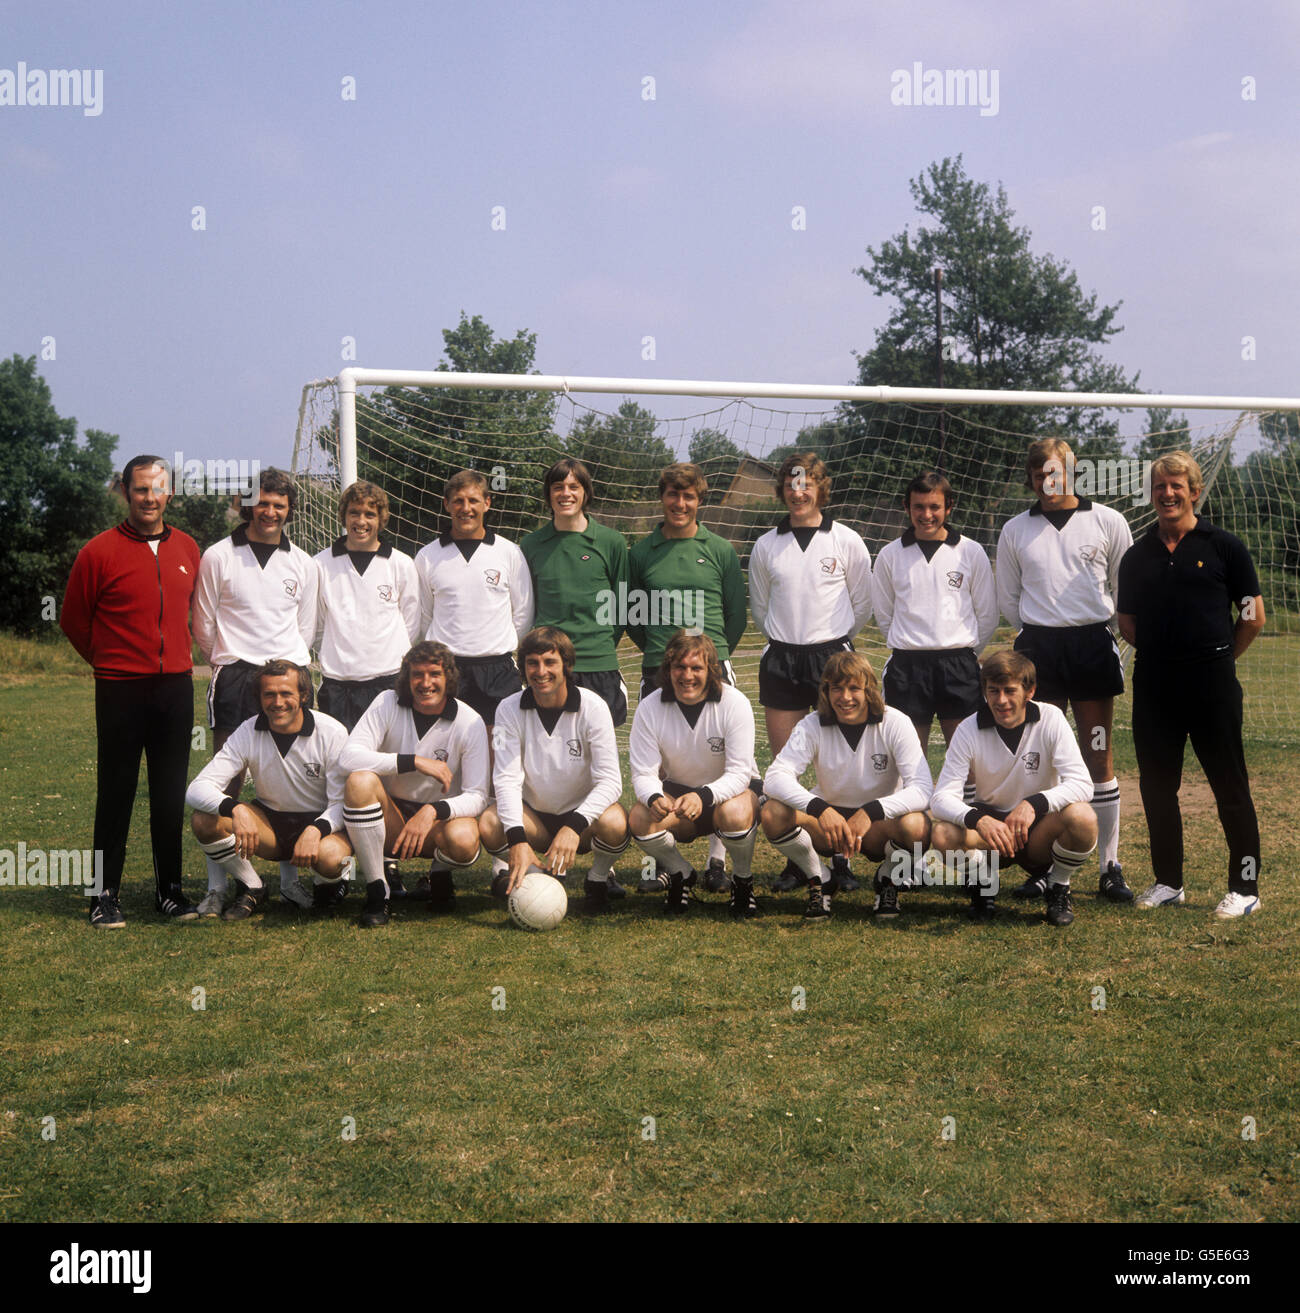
<point>297,893</point>
<point>1235,905</point>
<point>211,904</point>
<point>1161,895</point>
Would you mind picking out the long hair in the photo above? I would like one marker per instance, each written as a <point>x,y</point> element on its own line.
<point>686,643</point>
<point>426,653</point>
<point>844,668</point>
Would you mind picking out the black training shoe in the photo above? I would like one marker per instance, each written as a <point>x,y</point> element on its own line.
<point>323,898</point>
<point>393,874</point>
<point>1112,886</point>
<point>375,912</point>
<point>615,889</point>
<point>174,907</point>
<point>677,902</point>
<point>981,908</point>
<point>500,886</point>
<point>247,901</point>
<point>442,893</point>
<point>1034,887</point>
<point>842,877</point>
<point>818,911</point>
<point>656,883</point>
<point>1059,911</point>
<point>595,897</point>
<point>789,880</point>
<point>715,879</point>
<point>886,900</point>
<point>105,914</point>
<point>744,906</point>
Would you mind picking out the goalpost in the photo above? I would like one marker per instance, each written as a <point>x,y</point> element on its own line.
<point>407,430</point>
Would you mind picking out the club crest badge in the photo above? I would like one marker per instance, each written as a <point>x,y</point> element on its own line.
<point>291,587</point>
<point>1031,760</point>
<point>574,746</point>
<point>955,578</point>
<point>440,754</point>
<point>880,761</point>
<point>492,576</point>
<point>717,744</point>
<point>386,592</point>
<point>830,565</point>
<point>312,770</point>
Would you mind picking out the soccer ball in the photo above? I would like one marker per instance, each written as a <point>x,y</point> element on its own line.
<point>539,903</point>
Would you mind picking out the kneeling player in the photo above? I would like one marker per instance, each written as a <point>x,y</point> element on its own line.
<point>1031,788</point>
<point>873,786</point>
<point>293,755</point>
<point>556,774</point>
<point>417,768</point>
<point>691,754</point>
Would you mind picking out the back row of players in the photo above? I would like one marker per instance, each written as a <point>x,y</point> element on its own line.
<point>812,588</point>
<point>418,779</point>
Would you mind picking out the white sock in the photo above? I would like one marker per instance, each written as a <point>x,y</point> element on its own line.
<point>365,826</point>
<point>741,848</point>
<point>1105,802</point>
<point>602,863</point>
<point>663,848</point>
<point>221,852</point>
<point>217,880</point>
<point>717,849</point>
<point>899,864</point>
<point>1064,863</point>
<point>796,845</point>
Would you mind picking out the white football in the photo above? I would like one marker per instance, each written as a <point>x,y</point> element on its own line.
<point>539,903</point>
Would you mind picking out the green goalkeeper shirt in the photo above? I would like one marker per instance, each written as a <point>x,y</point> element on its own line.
<point>573,573</point>
<point>664,571</point>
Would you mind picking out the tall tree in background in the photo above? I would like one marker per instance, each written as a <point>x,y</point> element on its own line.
<point>718,458</point>
<point>623,451</point>
<point>53,495</point>
<point>1012,319</point>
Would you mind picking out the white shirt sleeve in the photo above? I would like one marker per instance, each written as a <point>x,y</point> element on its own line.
<point>508,763</point>
<point>207,593</point>
<point>1008,579</point>
<point>984,598</point>
<point>1074,784</point>
<point>475,777</point>
<point>644,759</point>
<point>861,585</point>
<point>947,802</point>
<point>521,593</point>
<point>307,603</point>
<point>916,784</point>
<point>408,580</point>
<point>208,790</point>
<point>361,752</point>
<point>782,779</point>
<point>882,592</point>
<point>760,585</point>
<point>738,720</point>
<point>606,775</point>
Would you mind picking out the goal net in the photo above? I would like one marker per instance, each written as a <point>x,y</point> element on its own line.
<point>409,431</point>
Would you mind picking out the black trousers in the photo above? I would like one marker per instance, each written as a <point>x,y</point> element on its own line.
<point>153,716</point>
<point>1203,702</point>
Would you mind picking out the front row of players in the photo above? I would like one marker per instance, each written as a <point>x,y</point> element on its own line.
<point>415,777</point>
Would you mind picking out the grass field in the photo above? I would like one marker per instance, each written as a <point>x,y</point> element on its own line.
<point>634,1069</point>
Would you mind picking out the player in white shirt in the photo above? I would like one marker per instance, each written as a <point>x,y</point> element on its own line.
<point>293,756</point>
<point>556,775</point>
<point>255,601</point>
<point>1058,580</point>
<point>810,593</point>
<point>691,755</point>
<point>937,608</point>
<point>476,596</point>
<point>418,778</point>
<point>872,787</point>
<point>1032,791</point>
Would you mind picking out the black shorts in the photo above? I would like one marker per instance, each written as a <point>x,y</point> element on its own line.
<point>286,826</point>
<point>553,823</point>
<point>942,683</point>
<point>233,695</point>
<point>609,687</point>
<point>1078,664</point>
<point>1015,861</point>
<point>486,682</point>
<point>790,675</point>
<point>347,700</point>
<point>650,679</point>
<point>704,821</point>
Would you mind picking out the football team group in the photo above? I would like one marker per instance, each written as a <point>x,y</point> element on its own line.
<point>469,695</point>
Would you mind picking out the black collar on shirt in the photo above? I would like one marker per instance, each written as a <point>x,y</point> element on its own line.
<point>954,537</point>
<point>828,720</point>
<point>667,695</point>
<point>1085,504</point>
<point>136,536</point>
<point>240,539</point>
<point>784,525</point>
<point>1202,525</point>
<point>572,702</point>
<point>445,539</point>
<point>307,730</point>
<point>448,712</point>
<point>984,717</point>
<point>340,547</point>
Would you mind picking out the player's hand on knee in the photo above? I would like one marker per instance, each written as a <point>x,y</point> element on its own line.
<point>307,849</point>
<point>410,843</point>
<point>563,849</point>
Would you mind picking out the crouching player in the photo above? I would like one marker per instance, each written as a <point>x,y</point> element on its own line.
<point>1031,789</point>
<point>873,786</point>
<point>691,753</point>
<point>556,774</point>
<point>417,779</point>
<point>294,756</point>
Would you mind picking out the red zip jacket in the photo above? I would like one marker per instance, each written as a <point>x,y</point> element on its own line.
<point>127,611</point>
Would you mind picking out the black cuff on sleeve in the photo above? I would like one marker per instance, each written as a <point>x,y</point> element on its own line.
<point>705,795</point>
<point>515,834</point>
<point>973,817</point>
<point>405,763</point>
<point>442,809</point>
<point>576,821</point>
<point>653,798</point>
<point>874,811</point>
<point>816,806</point>
<point>323,826</point>
<point>1039,803</point>
<point>227,807</point>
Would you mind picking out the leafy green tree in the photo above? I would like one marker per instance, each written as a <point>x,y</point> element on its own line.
<point>205,518</point>
<point>1165,432</point>
<point>411,440</point>
<point>718,457</point>
<point>53,495</point>
<point>1280,430</point>
<point>1012,319</point>
<point>623,451</point>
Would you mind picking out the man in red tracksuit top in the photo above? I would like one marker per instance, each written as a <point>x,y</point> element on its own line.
<point>126,611</point>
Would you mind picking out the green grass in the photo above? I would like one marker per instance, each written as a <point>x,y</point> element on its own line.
<point>761,1111</point>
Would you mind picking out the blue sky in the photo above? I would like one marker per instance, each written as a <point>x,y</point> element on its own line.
<point>624,217</point>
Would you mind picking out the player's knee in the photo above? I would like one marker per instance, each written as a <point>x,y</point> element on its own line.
<point>491,830</point>
<point>611,825</point>
<point>1080,825</point>
<point>460,840</point>
<point>207,826</point>
<point>776,818</point>
<point>946,837</point>
<point>363,786</point>
<point>914,828</point>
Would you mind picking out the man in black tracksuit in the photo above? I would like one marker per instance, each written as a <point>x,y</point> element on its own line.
<point>1177,586</point>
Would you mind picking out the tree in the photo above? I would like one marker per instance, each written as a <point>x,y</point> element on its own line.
<point>623,451</point>
<point>53,496</point>
<point>206,518</point>
<point>1165,432</point>
<point>1012,319</point>
<point>718,457</point>
<point>410,440</point>
<point>1280,430</point>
